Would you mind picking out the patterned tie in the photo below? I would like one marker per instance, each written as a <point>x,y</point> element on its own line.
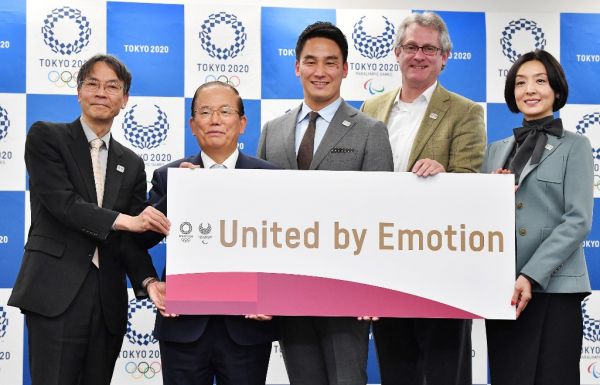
<point>95,146</point>
<point>307,145</point>
<point>218,166</point>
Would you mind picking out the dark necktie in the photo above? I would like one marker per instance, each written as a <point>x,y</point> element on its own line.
<point>307,146</point>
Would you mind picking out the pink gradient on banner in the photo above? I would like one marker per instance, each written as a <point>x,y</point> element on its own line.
<point>287,294</point>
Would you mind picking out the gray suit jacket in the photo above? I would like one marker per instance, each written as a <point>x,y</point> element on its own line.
<point>353,141</point>
<point>553,211</point>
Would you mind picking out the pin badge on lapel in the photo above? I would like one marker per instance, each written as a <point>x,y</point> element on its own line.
<point>120,168</point>
<point>346,123</point>
<point>549,147</point>
<point>433,115</point>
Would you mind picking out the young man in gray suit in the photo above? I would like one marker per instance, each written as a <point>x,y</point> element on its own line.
<point>325,133</point>
<point>431,130</point>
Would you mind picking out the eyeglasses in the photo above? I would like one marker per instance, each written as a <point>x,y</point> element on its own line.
<point>111,87</point>
<point>225,112</point>
<point>412,49</point>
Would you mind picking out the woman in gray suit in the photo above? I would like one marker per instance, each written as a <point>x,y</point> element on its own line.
<point>553,171</point>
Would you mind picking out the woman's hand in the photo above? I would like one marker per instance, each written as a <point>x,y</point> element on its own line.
<point>506,172</point>
<point>522,294</point>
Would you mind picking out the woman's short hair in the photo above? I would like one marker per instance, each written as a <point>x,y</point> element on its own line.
<point>556,78</point>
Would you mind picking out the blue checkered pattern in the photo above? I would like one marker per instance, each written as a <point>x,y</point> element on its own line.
<point>4,123</point>
<point>3,322</point>
<point>135,337</point>
<point>591,326</point>
<point>373,47</point>
<point>585,123</point>
<point>62,47</point>
<point>145,137</point>
<point>517,25</point>
<point>206,37</point>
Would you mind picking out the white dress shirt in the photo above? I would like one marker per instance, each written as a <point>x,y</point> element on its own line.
<point>228,163</point>
<point>403,125</point>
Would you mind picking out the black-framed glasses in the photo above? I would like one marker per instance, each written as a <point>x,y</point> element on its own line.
<point>225,112</point>
<point>111,87</point>
<point>412,49</point>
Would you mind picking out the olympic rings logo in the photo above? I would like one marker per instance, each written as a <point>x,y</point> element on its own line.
<point>64,78</point>
<point>143,369</point>
<point>233,80</point>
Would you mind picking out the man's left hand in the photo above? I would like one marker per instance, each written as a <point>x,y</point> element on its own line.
<point>157,291</point>
<point>427,167</point>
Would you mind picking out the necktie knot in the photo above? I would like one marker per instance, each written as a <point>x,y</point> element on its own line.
<point>543,126</point>
<point>96,144</point>
<point>531,142</point>
<point>218,166</point>
<point>312,116</point>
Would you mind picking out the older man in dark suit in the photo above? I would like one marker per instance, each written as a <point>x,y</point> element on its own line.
<point>87,191</point>
<point>196,349</point>
<point>325,133</point>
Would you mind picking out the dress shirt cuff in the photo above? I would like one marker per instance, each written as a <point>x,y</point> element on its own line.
<point>148,281</point>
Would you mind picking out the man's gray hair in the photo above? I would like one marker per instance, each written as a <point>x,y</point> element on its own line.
<point>428,20</point>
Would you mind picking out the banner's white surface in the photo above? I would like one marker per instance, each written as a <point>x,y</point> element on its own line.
<point>350,227</point>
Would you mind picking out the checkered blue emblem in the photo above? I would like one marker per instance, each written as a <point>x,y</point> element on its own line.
<point>584,124</point>
<point>591,326</point>
<point>373,47</point>
<point>66,48</point>
<point>3,322</point>
<point>516,25</point>
<point>4,123</point>
<point>135,337</point>
<point>145,137</point>
<point>206,35</point>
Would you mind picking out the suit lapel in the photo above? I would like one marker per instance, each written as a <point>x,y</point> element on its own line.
<point>80,149</point>
<point>340,125</point>
<point>502,154</point>
<point>288,136</point>
<point>436,110</point>
<point>241,160</point>
<point>551,146</point>
<point>385,109</point>
<point>115,171</point>
<point>197,160</point>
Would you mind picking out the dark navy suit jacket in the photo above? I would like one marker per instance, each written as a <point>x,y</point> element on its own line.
<point>188,328</point>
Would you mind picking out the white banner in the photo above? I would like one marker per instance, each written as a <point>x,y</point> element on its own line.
<point>296,242</point>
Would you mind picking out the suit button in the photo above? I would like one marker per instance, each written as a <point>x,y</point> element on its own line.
<point>522,231</point>
<point>520,205</point>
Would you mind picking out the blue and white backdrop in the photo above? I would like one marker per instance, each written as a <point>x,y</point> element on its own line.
<point>173,48</point>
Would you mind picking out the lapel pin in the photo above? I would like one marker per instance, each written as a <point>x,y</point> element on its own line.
<point>120,168</point>
<point>549,147</point>
<point>346,123</point>
<point>433,115</point>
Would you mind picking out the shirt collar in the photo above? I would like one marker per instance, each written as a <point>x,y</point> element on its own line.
<point>91,135</point>
<point>325,113</point>
<point>229,162</point>
<point>424,97</point>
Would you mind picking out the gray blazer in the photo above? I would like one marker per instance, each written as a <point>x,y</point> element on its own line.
<point>554,204</point>
<point>353,141</point>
